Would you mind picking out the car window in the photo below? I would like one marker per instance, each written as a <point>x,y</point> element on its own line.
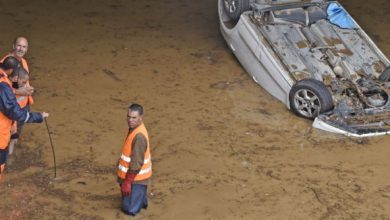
<point>293,14</point>
<point>298,15</point>
<point>316,13</point>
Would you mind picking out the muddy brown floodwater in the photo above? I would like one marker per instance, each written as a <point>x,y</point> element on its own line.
<point>223,148</point>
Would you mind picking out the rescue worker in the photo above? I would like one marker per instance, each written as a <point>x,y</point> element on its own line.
<point>10,110</point>
<point>135,165</point>
<point>19,79</point>
<point>19,50</point>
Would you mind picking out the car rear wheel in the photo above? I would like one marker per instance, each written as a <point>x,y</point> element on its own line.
<point>309,98</point>
<point>385,76</point>
<point>234,8</point>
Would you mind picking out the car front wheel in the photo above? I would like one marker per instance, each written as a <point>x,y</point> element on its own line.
<point>309,98</point>
<point>234,8</point>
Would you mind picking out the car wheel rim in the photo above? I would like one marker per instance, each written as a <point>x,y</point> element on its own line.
<point>307,103</point>
<point>231,5</point>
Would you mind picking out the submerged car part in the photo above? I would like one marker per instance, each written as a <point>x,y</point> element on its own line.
<point>234,8</point>
<point>309,98</point>
<point>301,52</point>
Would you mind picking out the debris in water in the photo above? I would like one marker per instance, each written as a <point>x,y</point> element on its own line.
<point>82,183</point>
<point>111,74</point>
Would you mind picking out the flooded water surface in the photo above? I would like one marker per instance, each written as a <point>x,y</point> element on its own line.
<point>223,148</point>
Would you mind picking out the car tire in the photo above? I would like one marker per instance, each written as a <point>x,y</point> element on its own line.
<point>309,98</point>
<point>234,8</point>
<point>385,76</point>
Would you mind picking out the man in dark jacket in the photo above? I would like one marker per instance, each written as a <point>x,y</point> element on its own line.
<point>10,110</point>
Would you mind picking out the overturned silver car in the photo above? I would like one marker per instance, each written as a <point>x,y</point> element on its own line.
<point>315,58</point>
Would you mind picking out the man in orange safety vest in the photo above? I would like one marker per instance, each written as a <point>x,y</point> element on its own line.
<point>11,111</point>
<point>19,79</point>
<point>135,165</point>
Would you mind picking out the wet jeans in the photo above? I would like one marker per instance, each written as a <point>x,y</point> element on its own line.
<point>3,160</point>
<point>3,155</point>
<point>137,200</point>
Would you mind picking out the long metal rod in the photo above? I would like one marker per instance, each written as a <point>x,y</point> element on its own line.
<point>52,148</point>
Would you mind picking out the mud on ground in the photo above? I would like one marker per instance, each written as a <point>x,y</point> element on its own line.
<point>222,147</point>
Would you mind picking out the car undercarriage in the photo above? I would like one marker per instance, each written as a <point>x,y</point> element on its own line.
<point>340,77</point>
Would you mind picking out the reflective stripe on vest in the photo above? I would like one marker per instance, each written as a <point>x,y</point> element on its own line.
<point>122,168</point>
<point>125,159</point>
<point>147,160</point>
<point>141,172</point>
<point>22,100</point>
<point>128,159</point>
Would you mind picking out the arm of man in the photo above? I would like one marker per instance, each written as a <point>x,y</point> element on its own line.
<point>10,107</point>
<point>137,153</point>
<point>24,91</point>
